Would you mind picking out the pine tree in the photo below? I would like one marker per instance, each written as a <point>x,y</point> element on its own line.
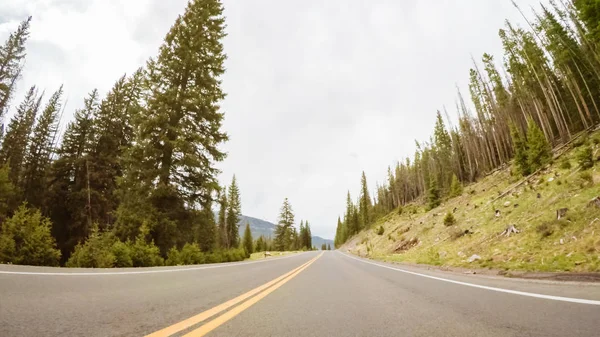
<point>206,231</point>
<point>182,131</point>
<point>234,212</point>
<point>260,244</point>
<point>308,236</point>
<point>364,203</point>
<point>41,147</point>
<point>14,144</point>
<point>443,151</point>
<point>349,216</point>
<point>328,246</point>
<point>520,149</point>
<point>338,241</point>
<point>433,194</point>
<point>113,132</point>
<point>248,242</point>
<point>68,199</point>
<point>284,228</point>
<point>539,152</point>
<point>12,54</point>
<point>355,222</point>
<point>456,188</point>
<point>170,170</point>
<point>302,234</point>
<point>7,193</point>
<point>222,220</point>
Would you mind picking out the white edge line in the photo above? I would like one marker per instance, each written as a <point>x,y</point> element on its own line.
<point>501,290</point>
<point>212,266</point>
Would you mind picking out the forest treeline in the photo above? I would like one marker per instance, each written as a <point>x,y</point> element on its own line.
<point>132,181</point>
<point>545,91</point>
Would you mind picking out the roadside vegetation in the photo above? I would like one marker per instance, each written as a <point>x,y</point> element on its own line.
<point>132,181</point>
<point>486,190</point>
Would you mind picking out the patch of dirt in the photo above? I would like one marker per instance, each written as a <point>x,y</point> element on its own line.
<point>405,245</point>
<point>572,277</point>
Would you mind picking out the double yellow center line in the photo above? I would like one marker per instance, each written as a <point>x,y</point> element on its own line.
<point>252,297</point>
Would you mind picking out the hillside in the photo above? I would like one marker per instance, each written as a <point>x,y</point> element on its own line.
<point>487,208</point>
<point>260,227</point>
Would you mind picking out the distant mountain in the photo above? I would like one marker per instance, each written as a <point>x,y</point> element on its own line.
<point>260,227</point>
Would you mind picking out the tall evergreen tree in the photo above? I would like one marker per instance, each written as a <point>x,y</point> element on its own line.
<point>339,239</point>
<point>284,228</point>
<point>12,54</point>
<point>260,244</point>
<point>14,144</point>
<point>182,131</point>
<point>7,193</point>
<point>248,241</point>
<point>433,194</point>
<point>365,203</point>
<point>302,234</point>
<point>234,212</point>
<point>222,220</point>
<point>308,236</point>
<point>171,166</point>
<point>539,152</point>
<point>520,150</point>
<point>349,216</point>
<point>68,200</point>
<point>41,147</point>
<point>206,229</point>
<point>113,133</point>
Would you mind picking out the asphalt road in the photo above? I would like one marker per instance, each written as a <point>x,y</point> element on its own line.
<point>309,294</point>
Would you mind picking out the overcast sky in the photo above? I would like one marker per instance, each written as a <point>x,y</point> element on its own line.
<point>318,91</point>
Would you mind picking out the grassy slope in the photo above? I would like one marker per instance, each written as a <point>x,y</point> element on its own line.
<point>536,248</point>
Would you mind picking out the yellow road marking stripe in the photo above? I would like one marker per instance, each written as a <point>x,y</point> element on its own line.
<point>215,323</point>
<point>217,309</point>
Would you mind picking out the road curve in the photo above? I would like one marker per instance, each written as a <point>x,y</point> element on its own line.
<point>311,294</point>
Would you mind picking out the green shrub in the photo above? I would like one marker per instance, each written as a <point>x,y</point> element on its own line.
<point>585,157</point>
<point>25,239</point>
<point>122,254</point>
<point>173,257</point>
<point>585,178</point>
<point>95,252</point>
<point>545,229</point>
<point>565,164</point>
<point>214,257</point>
<point>449,219</point>
<point>380,230</point>
<point>145,254</point>
<point>191,254</point>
